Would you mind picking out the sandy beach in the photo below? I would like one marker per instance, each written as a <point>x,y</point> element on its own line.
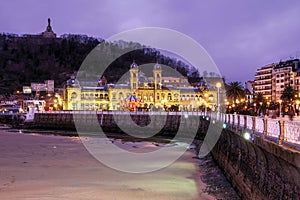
<point>45,167</point>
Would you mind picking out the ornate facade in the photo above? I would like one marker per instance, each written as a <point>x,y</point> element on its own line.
<point>151,94</point>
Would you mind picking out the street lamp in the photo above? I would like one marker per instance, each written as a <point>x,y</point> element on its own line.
<point>280,101</point>
<point>297,103</point>
<point>218,85</point>
<point>260,108</point>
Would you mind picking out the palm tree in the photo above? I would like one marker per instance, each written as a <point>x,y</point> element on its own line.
<point>235,91</point>
<point>259,98</point>
<point>288,96</point>
<point>260,103</point>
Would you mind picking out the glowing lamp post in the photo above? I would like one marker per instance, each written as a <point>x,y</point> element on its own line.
<point>218,85</point>
<point>297,103</point>
<point>280,101</point>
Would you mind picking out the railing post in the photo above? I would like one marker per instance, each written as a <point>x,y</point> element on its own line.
<point>238,122</point>
<point>253,125</point>
<point>245,122</point>
<point>281,133</point>
<point>233,120</point>
<point>265,133</point>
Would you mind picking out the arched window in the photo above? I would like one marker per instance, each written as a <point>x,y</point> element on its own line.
<point>211,97</point>
<point>74,95</point>
<point>176,96</point>
<point>169,97</point>
<point>121,96</point>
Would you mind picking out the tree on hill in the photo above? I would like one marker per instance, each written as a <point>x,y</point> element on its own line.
<point>24,59</point>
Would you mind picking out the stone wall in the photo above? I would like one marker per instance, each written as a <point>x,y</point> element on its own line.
<point>162,124</point>
<point>259,169</point>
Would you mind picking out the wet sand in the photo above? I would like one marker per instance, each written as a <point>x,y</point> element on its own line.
<point>49,167</point>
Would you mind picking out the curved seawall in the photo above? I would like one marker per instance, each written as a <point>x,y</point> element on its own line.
<point>258,170</point>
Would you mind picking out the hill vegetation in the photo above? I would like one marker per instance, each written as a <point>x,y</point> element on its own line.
<point>25,59</point>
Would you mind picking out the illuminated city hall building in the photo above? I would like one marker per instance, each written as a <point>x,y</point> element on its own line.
<point>155,93</point>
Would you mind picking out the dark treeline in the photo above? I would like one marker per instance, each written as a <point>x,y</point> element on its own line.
<point>25,59</point>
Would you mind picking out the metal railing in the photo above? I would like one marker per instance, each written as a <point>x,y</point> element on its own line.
<point>190,113</point>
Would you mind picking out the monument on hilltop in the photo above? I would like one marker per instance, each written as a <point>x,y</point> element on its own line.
<point>49,32</point>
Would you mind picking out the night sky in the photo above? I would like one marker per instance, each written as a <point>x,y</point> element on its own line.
<point>240,35</point>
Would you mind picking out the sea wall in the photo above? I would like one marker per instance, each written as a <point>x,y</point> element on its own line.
<point>11,118</point>
<point>109,122</point>
<point>260,169</point>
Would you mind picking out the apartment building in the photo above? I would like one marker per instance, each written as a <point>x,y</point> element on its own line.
<point>263,80</point>
<point>270,80</point>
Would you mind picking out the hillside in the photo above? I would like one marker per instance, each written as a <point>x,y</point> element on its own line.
<point>25,59</point>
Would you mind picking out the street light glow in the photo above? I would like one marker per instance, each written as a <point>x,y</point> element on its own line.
<point>247,136</point>
<point>218,84</point>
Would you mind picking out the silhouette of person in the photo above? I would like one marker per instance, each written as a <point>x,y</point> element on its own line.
<point>291,113</point>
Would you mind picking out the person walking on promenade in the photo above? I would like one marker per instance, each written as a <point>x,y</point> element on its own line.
<point>291,113</point>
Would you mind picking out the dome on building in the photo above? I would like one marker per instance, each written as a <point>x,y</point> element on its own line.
<point>134,65</point>
<point>72,82</point>
<point>157,66</point>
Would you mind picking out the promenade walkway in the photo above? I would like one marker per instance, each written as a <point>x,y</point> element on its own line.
<point>281,129</point>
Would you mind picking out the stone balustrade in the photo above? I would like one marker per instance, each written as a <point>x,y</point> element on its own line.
<point>281,131</point>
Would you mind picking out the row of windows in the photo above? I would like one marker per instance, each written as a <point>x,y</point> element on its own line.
<point>101,96</point>
<point>282,75</point>
<point>263,88</point>
<point>90,106</point>
<point>169,96</point>
<point>264,72</point>
<point>282,81</point>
